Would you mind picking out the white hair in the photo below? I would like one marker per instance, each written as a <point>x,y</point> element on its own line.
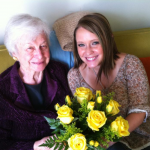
<point>22,25</point>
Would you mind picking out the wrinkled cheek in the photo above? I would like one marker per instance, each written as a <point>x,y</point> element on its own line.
<point>47,61</point>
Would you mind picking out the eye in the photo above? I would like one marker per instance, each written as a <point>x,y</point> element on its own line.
<point>95,43</point>
<point>30,48</point>
<point>81,45</point>
<point>44,46</point>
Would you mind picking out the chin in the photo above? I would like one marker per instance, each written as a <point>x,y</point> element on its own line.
<point>92,65</point>
<point>39,69</point>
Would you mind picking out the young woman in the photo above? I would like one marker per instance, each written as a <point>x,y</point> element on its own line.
<point>100,66</point>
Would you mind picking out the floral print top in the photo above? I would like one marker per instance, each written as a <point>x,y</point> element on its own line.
<point>131,89</point>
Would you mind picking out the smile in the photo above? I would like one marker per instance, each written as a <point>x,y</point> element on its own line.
<point>37,63</point>
<point>91,58</point>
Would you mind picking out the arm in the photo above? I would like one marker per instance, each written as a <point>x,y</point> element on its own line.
<point>15,130</point>
<point>7,141</point>
<point>138,93</point>
<point>135,120</point>
<point>37,143</point>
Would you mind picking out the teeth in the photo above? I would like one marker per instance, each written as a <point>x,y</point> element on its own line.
<point>91,58</point>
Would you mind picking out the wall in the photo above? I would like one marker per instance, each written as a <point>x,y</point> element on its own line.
<point>122,14</point>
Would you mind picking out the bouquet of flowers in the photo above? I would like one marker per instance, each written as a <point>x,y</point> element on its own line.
<point>86,121</point>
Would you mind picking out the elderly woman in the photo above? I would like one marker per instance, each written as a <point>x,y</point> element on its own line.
<point>31,87</point>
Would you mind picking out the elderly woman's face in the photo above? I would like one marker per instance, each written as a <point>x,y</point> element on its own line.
<point>33,55</point>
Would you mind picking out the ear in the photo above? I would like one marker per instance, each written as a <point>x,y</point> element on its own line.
<point>14,56</point>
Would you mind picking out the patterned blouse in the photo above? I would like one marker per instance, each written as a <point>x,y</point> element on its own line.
<point>131,91</point>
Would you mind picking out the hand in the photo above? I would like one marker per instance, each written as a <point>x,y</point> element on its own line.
<point>111,143</point>
<point>37,143</point>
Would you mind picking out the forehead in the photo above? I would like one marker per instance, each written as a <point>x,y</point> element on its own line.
<point>33,38</point>
<point>83,33</point>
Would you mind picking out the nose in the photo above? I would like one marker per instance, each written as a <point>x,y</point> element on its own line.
<point>89,50</point>
<point>38,53</point>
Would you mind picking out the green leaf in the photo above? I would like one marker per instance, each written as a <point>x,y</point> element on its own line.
<point>56,131</point>
<point>49,120</point>
<point>75,119</point>
<point>66,147</point>
<point>116,139</point>
<point>61,146</point>
<point>62,131</point>
<point>53,127</point>
<point>48,143</point>
<point>56,146</point>
<point>54,138</point>
<point>51,138</point>
<point>52,143</point>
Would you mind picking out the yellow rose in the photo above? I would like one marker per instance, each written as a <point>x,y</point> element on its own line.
<point>68,100</point>
<point>121,126</point>
<point>98,93</point>
<point>83,93</point>
<point>91,142</point>
<point>112,107</point>
<point>99,99</point>
<point>57,106</point>
<point>96,144</point>
<point>65,114</point>
<point>96,119</point>
<point>77,142</point>
<point>90,105</point>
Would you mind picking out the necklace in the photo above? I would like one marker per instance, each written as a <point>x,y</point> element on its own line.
<point>105,90</point>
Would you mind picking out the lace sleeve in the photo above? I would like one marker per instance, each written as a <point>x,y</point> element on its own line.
<point>73,79</point>
<point>137,86</point>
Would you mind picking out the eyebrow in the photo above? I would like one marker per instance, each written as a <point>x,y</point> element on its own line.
<point>90,40</point>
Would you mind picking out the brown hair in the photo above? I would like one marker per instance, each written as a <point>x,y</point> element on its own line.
<point>99,25</point>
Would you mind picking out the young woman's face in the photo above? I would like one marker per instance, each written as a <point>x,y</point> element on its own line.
<point>89,47</point>
<point>33,55</point>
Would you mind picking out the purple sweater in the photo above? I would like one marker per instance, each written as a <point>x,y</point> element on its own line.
<point>20,124</point>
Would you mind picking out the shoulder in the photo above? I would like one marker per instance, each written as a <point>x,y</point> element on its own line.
<point>132,58</point>
<point>56,67</point>
<point>6,81</point>
<point>57,71</point>
<point>128,58</point>
<point>55,64</point>
<point>73,72</point>
<point>132,61</point>
<point>134,68</point>
<point>6,73</point>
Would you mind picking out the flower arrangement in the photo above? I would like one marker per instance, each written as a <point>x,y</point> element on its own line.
<point>86,121</point>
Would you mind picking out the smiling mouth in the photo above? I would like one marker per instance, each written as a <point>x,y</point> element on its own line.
<point>37,63</point>
<point>91,58</point>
